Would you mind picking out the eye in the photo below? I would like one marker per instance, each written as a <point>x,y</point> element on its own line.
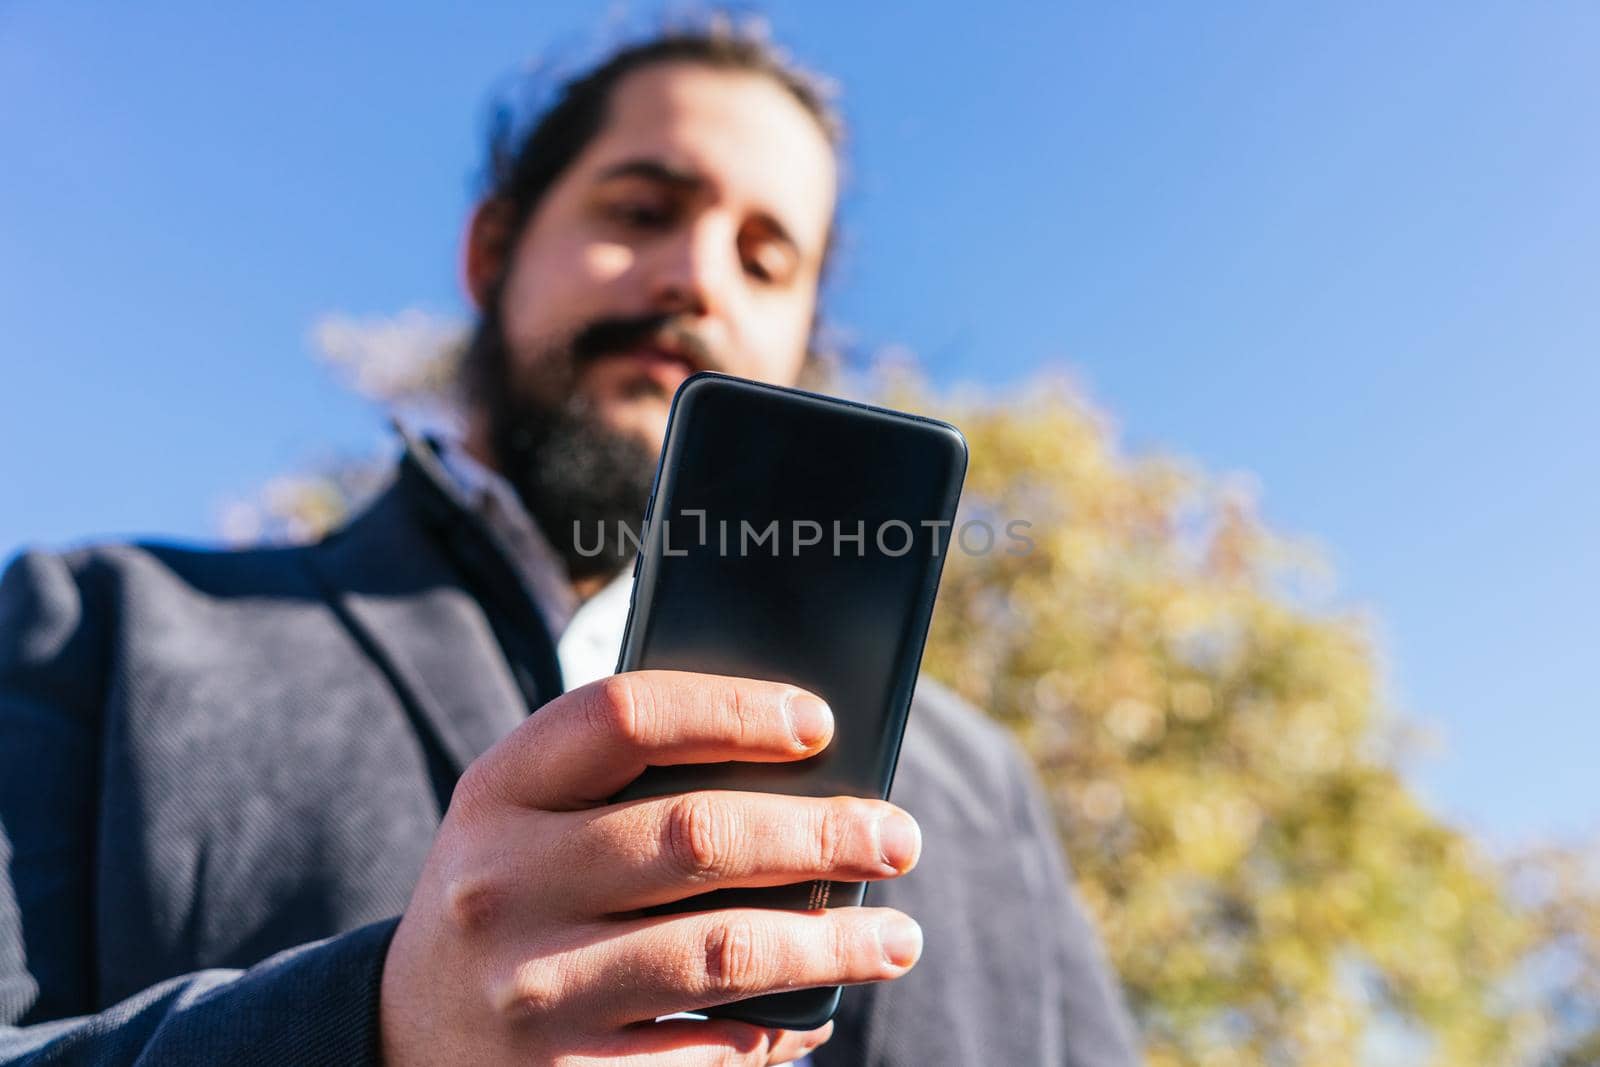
<point>767,260</point>
<point>757,270</point>
<point>639,214</point>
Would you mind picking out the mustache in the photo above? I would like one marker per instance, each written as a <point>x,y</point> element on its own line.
<point>619,334</point>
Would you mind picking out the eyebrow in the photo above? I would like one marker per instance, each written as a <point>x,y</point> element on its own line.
<point>654,170</point>
<point>685,180</point>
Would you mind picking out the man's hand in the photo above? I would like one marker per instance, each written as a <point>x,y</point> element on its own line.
<point>522,943</point>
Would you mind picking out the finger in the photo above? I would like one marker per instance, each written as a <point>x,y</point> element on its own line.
<point>695,1042</point>
<point>650,852</point>
<point>661,966</point>
<point>792,1044</point>
<point>584,746</point>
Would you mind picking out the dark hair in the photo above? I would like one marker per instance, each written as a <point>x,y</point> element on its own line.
<point>523,166</point>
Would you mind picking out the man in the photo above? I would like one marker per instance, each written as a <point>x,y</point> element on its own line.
<point>290,805</point>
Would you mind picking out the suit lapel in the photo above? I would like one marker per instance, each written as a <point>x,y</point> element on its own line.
<point>396,589</point>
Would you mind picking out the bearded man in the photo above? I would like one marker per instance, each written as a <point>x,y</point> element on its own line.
<point>347,802</point>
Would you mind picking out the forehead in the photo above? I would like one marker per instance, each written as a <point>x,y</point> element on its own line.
<point>743,133</point>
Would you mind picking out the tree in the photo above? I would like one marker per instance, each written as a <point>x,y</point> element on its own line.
<point>1226,777</point>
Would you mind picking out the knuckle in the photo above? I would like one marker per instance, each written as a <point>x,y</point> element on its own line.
<point>698,836</point>
<point>852,946</point>
<point>833,832</point>
<point>840,943</point>
<point>532,992</point>
<point>730,963</point>
<point>472,904</point>
<point>613,712</point>
<point>743,715</point>
<point>845,839</point>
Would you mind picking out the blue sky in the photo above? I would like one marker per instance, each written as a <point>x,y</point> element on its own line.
<point>1352,248</point>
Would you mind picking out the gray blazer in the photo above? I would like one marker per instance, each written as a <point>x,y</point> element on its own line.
<point>220,773</point>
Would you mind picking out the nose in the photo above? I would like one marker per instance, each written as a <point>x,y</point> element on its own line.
<point>690,273</point>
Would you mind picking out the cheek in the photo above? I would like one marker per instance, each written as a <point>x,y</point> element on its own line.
<point>777,341</point>
<point>604,262</point>
<point>562,288</point>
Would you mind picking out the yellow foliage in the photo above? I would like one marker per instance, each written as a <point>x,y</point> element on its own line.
<point>1269,889</point>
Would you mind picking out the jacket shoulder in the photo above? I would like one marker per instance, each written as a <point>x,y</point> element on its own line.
<point>201,565</point>
<point>64,615</point>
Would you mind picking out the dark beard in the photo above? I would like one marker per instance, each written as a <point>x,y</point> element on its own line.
<point>582,481</point>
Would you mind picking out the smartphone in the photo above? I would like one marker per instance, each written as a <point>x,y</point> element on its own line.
<point>798,538</point>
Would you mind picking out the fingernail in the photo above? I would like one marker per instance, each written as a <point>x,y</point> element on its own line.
<point>901,940</point>
<point>899,840</point>
<point>810,720</point>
